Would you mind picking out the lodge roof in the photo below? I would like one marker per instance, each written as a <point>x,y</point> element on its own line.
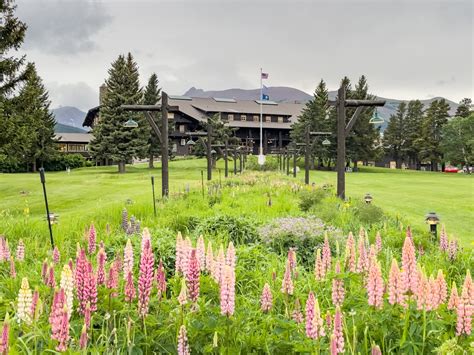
<point>74,137</point>
<point>200,108</point>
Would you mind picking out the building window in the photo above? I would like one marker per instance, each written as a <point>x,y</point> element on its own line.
<point>183,142</point>
<point>76,147</point>
<point>170,115</point>
<point>182,128</point>
<point>268,118</point>
<point>230,117</point>
<point>243,117</point>
<point>256,118</point>
<point>280,119</point>
<point>174,148</point>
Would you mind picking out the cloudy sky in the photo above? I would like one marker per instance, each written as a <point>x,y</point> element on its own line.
<point>407,49</point>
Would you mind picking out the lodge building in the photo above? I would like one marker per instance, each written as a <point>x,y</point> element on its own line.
<point>244,115</point>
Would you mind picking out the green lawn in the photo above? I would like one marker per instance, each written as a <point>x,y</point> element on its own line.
<point>86,193</point>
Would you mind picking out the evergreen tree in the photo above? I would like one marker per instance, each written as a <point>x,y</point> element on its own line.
<point>457,143</point>
<point>315,115</point>
<point>151,96</point>
<point>436,116</point>
<point>464,108</point>
<point>111,139</point>
<point>412,132</point>
<point>394,137</point>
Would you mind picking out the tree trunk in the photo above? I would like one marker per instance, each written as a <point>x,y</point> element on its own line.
<point>34,166</point>
<point>150,162</point>
<point>121,167</point>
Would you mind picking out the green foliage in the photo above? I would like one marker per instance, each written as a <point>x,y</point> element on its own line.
<point>394,135</point>
<point>464,108</point>
<point>151,96</point>
<point>310,198</point>
<point>368,213</point>
<point>271,163</point>
<point>457,144</point>
<point>238,229</point>
<point>62,161</point>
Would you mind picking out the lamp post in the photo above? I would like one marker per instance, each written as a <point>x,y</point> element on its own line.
<point>48,215</point>
<point>368,198</point>
<point>153,192</point>
<point>161,133</point>
<point>433,220</point>
<point>344,129</point>
<point>308,148</point>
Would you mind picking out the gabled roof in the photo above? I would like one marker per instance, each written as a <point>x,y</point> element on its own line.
<point>74,137</point>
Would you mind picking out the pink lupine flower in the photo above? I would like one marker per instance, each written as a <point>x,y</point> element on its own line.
<point>292,258</point>
<point>87,315</point>
<point>453,298</point>
<point>350,244</point>
<point>423,292</point>
<point>130,292</point>
<point>266,300</point>
<point>51,279</point>
<point>287,283</point>
<point>227,291</point>
<point>83,338</point>
<point>326,254</point>
<point>91,287</point>
<point>201,253</point>
<point>372,254</point>
<point>5,336</point>
<point>6,250</point>
<point>328,320</point>
<point>314,322</point>
<point>333,345</point>
<point>441,289</point>
<point>113,279</point>
<point>378,242</point>
<point>183,347</point>
<point>81,280</point>
<point>56,255</point>
<point>408,233</point>
<point>452,249</point>
<point>443,239</point>
<point>375,287</point>
<point>34,303</point>
<point>127,258</point>
<point>219,264</point>
<point>192,277</point>
<point>44,271</point>
<point>145,278</point>
<point>396,290</point>
<point>362,262</point>
<point>338,292</point>
<point>468,287</point>
<point>337,330</point>
<point>297,315</point>
<point>409,267</point>
<point>146,236</point>
<point>464,312</point>
<point>179,253</point>
<point>91,240</point>
<point>376,350</point>
<point>183,294</point>
<point>101,260</point>
<point>12,268</point>
<point>319,270</point>
<point>186,254</point>
<point>20,251</point>
<point>230,255</point>
<point>63,334</point>
<point>161,279</point>
<point>2,245</point>
<point>55,316</point>
<point>209,258</point>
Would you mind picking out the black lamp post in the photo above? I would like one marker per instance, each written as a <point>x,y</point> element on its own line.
<point>368,198</point>
<point>49,216</point>
<point>153,192</point>
<point>433,220</point>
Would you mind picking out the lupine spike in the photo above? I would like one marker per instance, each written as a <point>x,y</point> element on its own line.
<point>128,258</point>
<point>4,337</point>
<point>91,246</point>
<point>338,291</point>
<point>12,268</point>
<point>145,279</point>
<point>319,271</point>
<point>83,338</point>
<point>326,254</point>
<point>409,265</point>
<point>101,260</point>
<point>396,287</point>
<point>227,291</point>
<point>209,259</point>
<point>56,255</point>
<point>67,284</point>
<point>130,292</point>
<point>192,276</point>
<point>161,279</point>
<point>183,346</point>
<point>297,315</point>
<point>453,298</point>
<point>378,242</point>
<point>266,300</point>
<point>230,255</point>
<point>25,300</point>
<point>287,283</point>
<point>20,251</point>
<point>337,330</point>
<point>201,253</point>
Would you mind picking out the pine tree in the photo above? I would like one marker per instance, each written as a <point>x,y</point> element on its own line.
<point>413,123</point>
<point>457,143</point>
<point>111,139</point>
<point>35,120</point>
<point>436,116</point>
<point>315,115</point>
<point>464,108</point>
<point>151,96</point>
<point>394,138</point>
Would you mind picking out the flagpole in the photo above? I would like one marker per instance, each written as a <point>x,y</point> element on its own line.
<point>261,114</point>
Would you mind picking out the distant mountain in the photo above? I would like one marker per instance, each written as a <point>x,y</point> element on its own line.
<point>288,94</point>
<point>62,128</point>
<point>70,116</point>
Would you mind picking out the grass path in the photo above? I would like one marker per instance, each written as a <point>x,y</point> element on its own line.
<point>88,191</point>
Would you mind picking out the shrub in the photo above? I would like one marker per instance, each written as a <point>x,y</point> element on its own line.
<point>271,163</point>
<point>304,233</point>
<point>310,198</point>
<point>368,213</point>
<point>63,161</point>
<point>238,229</point>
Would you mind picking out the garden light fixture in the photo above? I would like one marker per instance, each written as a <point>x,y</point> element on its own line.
<point>368,198</point>
<point>130,124</point>
<point>433,220</point>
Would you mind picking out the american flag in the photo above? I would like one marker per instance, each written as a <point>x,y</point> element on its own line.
<point>264,75</point>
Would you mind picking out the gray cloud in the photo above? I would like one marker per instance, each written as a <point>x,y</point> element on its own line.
<point>79,95</point>
<point>62,27</point>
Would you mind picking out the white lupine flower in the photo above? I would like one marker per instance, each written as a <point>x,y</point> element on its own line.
<point>67,284</point>
<point>25,299</point>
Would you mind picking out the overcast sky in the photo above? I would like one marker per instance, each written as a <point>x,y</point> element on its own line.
<point>407,49</point>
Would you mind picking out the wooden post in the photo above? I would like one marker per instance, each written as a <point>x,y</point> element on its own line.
<point>306,155</point>
<point>164,145</point>
<point>241,167</point>
<point>341,142</point>
<point>235,161</point>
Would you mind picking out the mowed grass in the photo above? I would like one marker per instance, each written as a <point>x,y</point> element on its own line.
<point>99,193</point>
